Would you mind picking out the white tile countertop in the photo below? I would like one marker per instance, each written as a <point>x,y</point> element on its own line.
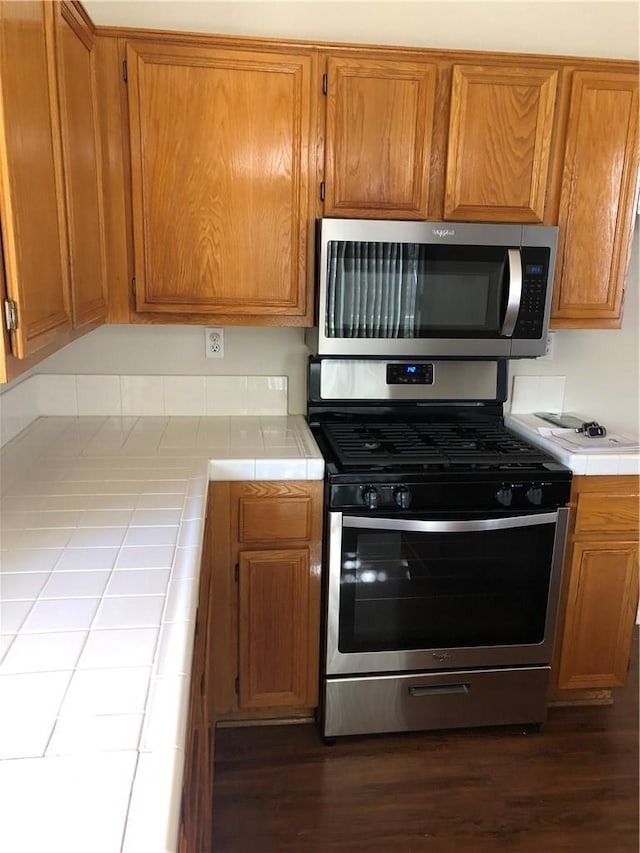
<point>615,454</point>
<point>101,536</point>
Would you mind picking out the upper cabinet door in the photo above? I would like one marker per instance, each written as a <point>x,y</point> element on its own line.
<point>378,137</point>
<point>31,200</point>
<point>220,151</point>
<point>597,200</point>
<point>81,154</point>
<point>499,142</point>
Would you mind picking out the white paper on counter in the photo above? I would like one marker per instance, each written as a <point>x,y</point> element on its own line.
<point>613,442</point>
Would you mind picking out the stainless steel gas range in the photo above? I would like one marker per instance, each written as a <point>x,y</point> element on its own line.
<point>445,536</point>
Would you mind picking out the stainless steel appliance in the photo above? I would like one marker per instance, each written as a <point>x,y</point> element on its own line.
<point>445,536</point>
<point>433,289</point>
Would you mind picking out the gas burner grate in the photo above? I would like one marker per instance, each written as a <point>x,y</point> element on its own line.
<point>408,443</point>
<point>382,444</point>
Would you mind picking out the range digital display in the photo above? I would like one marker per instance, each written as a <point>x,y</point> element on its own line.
<point>419,373</point>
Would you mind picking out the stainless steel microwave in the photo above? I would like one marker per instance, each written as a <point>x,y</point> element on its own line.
<point>447,289</point>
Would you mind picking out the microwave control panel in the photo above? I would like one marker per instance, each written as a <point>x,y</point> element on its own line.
<point>535,267</point>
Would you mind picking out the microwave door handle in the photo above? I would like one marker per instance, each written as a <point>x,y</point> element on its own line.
<point>515,293</point>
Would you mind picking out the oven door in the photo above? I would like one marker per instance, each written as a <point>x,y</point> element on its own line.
<point>410,594</point>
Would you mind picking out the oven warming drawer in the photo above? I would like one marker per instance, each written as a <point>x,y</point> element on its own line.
<point>396,703</point>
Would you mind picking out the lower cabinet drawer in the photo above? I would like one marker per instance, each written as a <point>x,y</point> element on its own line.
<point>607,513</point>
<point>396,703</point>
<point>274,519</point>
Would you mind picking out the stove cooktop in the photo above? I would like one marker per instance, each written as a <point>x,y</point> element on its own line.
<point>437,449</point>
<point>407,445</point>
<point>401,466</point>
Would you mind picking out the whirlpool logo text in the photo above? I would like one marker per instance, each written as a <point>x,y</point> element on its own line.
<point>443,232</point>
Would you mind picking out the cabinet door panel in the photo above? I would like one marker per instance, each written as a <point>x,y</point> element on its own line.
<point>378,137</point>
<point>31,206</point>
<point>220,142</point>
<point>265,602</point>
<point>596,213</point>
<point>274,628</point>
<point>603,597</point>
<point>81,152</point>
<point>499,142</point>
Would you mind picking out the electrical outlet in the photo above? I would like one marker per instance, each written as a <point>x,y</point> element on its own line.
<point>548,350</point>
<point>214,342</point>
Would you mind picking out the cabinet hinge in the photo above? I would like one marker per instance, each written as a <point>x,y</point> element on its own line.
<point>124,70</point>
<point>10,315</point>
<point>133,287</point>
<point>325,84</point>
<point>237,685</point>
<point>321,190</point>
<point>236,571</point>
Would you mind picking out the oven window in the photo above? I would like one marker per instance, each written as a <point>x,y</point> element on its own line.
<point>407,590</point>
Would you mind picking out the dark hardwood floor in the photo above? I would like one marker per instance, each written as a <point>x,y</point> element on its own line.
<point>572,787</point>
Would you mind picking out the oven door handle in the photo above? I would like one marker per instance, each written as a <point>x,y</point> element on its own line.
<point>449,526</point>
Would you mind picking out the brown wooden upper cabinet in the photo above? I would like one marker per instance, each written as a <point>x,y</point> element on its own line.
<point>597,200</point>
<point>31,201</point>
<point>75,58</point>
<point>51,198</point>
<point>220,159</point>
<point>379,124</point>
<point>500,130</point>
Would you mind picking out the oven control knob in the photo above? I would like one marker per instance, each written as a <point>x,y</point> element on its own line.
<point>403,497</point>
<point>504,495</point>
<point>371,497</point>
<point>534,494</point>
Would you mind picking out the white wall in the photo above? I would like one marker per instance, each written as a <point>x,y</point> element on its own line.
<point>585,28</point>
<point>180,350</point>
<point>601,367</point>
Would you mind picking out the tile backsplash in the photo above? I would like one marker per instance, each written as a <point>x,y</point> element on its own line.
<point>131,396</point>
<point>18,408</point>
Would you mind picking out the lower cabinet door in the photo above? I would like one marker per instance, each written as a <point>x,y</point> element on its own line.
<point>274,637</point>
<point>601,608</point>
